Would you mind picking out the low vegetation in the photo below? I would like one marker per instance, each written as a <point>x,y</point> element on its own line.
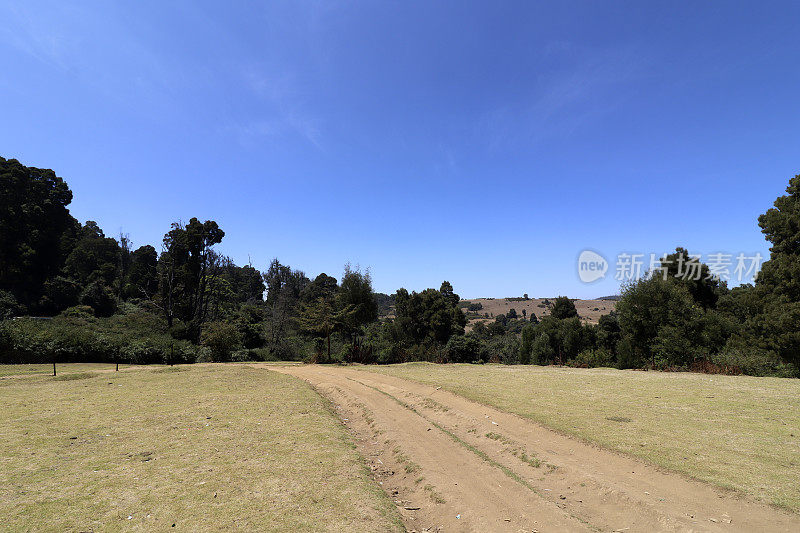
<point>205,448</point>
<point>738,432</point>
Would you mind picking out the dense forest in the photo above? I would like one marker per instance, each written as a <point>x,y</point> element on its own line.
<point>69,292</point>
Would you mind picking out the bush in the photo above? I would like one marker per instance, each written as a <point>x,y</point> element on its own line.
<point>77,336</point>
<point>99,298</point>
<point>252,354</point>
<point>145,352</point>
<point>221,338</point>
<point>9,306</point>
<point>753,361</point>
<point>501,349</point>
<point>78,311</point>
<point>462,349</point>
<point>594,358</point>
<point>542,352</point>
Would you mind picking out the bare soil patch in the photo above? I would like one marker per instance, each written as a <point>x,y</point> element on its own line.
<point>453,464</point>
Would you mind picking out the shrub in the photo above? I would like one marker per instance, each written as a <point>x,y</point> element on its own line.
<point>145,352</point>
<point>542,352</point>
<point>9,306</point>
<point>594,358</point>
<point>221,338</point>
<point>99,297</point>
<point>462,349</point>
<point>754,361</point>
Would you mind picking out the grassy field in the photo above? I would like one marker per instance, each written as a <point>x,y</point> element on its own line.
<point>21,370</point>
<point>201,448</point>
<point>737,432</point>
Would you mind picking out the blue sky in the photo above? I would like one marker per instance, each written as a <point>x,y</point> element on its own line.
<point>486,143</point>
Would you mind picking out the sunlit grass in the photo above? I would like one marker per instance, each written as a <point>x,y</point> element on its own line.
<point>737,432</point>
<point>205,448</point>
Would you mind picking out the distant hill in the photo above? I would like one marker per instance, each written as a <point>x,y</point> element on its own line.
<point>589,310</point>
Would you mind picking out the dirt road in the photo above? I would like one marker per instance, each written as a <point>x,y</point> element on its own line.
<point>454,465</point>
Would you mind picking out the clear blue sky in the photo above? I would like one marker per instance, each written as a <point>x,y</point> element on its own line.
<point>486,143</point>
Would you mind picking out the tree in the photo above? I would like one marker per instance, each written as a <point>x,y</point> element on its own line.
<point>356,293</point>
<point>189,272</point>
<point>562,307</point>
<point>321,318</point>
<point>526,344</point>
<point>36,229</point>
<point>141,280</point>
<point>100,298</point>
<point>95,257</point>
<point>428,317</point>
<point>542,351</point>
<point>608,332</point>
<point>123,263</point>
<point>323,286</point>
<point>246,283</point>
<point>284,287</point>
<point>772,309</point>
<point>695,275</point>
<point>463,349</point>
<point>652,312</point>
<point>222,338</point>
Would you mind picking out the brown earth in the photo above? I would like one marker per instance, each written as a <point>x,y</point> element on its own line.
<point>589,310</point>
<point>455,465</point>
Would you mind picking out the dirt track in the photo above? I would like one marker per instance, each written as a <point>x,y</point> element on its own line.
<point>454,465</point>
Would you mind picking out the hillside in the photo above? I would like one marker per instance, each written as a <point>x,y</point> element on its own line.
<point>589,310</point>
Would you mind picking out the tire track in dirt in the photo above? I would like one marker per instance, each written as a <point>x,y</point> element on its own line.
<point>455,465</point>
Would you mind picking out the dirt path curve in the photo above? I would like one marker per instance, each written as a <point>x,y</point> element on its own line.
<point>455,465</point>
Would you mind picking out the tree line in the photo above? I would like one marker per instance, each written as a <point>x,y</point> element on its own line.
<point>69,292</point>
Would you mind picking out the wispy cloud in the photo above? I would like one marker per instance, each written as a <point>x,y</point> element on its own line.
<point>284,108</point>
<point>40,35</point>
<point>577,88</point>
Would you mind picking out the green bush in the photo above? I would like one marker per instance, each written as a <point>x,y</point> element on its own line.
<point>135,336</point>
<point>542,352</point>
<point>753,361</point>
<point>252,354</point>
<point>462,349</point>
<point>221,338</point>
<point>9,306</point>
<point>594,358</point>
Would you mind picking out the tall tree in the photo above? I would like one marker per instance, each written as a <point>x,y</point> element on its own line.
<point>695,275</point>
<point>428,317</point>
<point>563,307</point>
<point>284,286</point>
<point>36,229</point>
<point>141,280</point>
<point>189,274</point>
<point>775,305</point>
<point>356,293</point>
<point>95,257</point>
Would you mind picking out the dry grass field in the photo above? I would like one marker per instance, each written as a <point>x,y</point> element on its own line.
<point>737,432</point>
<point>197,448</point>
<point>590,310</point>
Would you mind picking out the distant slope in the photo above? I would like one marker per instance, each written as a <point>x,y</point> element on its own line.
<point>589,310</point>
